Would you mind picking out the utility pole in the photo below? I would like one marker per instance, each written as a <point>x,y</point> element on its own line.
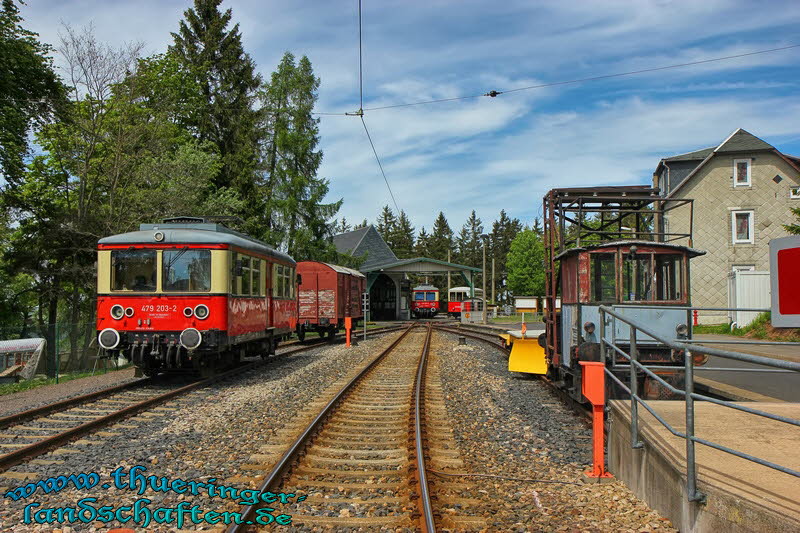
<point>483,277</point>
<point>448,276</point>
<point>494,302</point>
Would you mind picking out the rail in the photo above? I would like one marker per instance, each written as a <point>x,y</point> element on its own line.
<point>688,394</point>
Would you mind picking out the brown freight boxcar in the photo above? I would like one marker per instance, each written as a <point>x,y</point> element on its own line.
<point>327,294</point>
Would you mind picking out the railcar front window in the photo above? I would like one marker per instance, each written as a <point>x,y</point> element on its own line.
<point>430,296</point>
<point>637,278</point>
<point>669,277</point>
<point>133,270</point>
<point>418,296</point>
<point>187,270</point>
<point>604,279</point>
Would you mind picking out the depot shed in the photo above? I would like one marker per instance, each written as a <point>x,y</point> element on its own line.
<point>328,293</point>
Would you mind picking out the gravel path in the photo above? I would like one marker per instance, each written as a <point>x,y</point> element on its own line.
<point>31,398</point>
<point>512,426</point>
<point>205,436</point>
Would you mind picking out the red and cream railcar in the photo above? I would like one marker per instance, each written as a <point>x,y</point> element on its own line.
<point>327,295</point>
<point>424,301</point>
<point>456,296</point>
<point>189,293</point>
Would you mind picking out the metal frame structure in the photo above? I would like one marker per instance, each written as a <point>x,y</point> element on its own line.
<point>574,217</point>
<point>688,394</point>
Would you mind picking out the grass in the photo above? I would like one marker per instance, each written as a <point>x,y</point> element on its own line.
<point>11,388</point>
<point>759,328</point>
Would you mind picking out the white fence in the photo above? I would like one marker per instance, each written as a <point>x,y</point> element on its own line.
<point>747,289</point>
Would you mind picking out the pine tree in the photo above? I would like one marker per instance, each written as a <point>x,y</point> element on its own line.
<point>226,75</point>
<point>504,230</point>
<point>441,239</point>
<point>362,224</point>
<point>422,246</point>
<point>386,224</point>
<point>341,227</point>
<point>292,189</point>
<point>403,237</point>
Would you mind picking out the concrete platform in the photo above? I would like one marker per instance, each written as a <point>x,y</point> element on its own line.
<point>742,496</point>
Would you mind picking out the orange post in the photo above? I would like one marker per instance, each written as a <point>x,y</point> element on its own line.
<point>593,387</point>
<point>348,326</point>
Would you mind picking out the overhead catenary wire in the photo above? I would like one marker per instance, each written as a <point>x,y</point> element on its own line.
<point>360,112</point>
<point>360,64</point>
<point>495,93</point>
<point>378,159</point>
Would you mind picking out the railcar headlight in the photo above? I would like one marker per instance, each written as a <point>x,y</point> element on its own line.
<point>681,329</point>
<point>188,312</point>
<point>117,312</point>
<point>699,359</point>
<point>108,338</point>
<point>129,312</point>
<point>589,327</point>
<point>191,338</point>
<point>201,311</point>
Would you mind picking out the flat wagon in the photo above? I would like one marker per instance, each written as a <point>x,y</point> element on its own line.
<point>327,295</point>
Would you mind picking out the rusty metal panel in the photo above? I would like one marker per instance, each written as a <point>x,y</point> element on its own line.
<point>327,303</point>
<point>307,303</point>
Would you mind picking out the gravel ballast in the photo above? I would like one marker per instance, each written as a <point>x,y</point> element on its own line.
<point>513,426</point>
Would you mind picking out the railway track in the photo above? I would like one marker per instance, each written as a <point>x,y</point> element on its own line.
<point>31,433</point>
<point>366,448</point>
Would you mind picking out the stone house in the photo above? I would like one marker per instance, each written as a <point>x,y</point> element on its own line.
<point>743,190</point>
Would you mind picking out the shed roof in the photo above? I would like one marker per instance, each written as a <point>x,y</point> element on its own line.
<point>420,265</point>
<point>365,241</point>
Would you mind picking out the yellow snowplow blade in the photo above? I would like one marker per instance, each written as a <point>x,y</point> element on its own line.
<point>527,356</point>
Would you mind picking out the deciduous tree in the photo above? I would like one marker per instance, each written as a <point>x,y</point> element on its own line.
<point>31,93</point>
<point>525,264</point>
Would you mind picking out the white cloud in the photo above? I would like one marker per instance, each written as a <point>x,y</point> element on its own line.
<point>483,153</point>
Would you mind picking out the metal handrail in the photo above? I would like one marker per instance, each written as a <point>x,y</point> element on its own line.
<point>688,394</point>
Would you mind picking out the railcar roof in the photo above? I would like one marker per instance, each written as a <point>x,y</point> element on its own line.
<point>690,252</point>
<point>202,233</point>
<point>425,288</point>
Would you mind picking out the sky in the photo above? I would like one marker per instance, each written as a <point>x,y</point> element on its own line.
<point>506,152</point>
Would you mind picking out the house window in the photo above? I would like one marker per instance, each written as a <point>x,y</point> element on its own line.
<point>741,172</point>
<point>794,192</point>
<point>742,227</point>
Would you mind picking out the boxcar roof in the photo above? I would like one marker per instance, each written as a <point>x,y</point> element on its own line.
<point>690,252</point>
<point>195,235</point>
<point>337,268</point>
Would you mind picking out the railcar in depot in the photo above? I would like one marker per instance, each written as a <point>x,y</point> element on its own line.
<point>192,294</point>
<point>456,296</point>
<point>424,301</point>
<point>327,295</point>
<point>608,246</point>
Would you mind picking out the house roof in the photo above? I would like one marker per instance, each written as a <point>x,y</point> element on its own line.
<point>742,141</point>
<point>697,155</point>
<point>737,142</point>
